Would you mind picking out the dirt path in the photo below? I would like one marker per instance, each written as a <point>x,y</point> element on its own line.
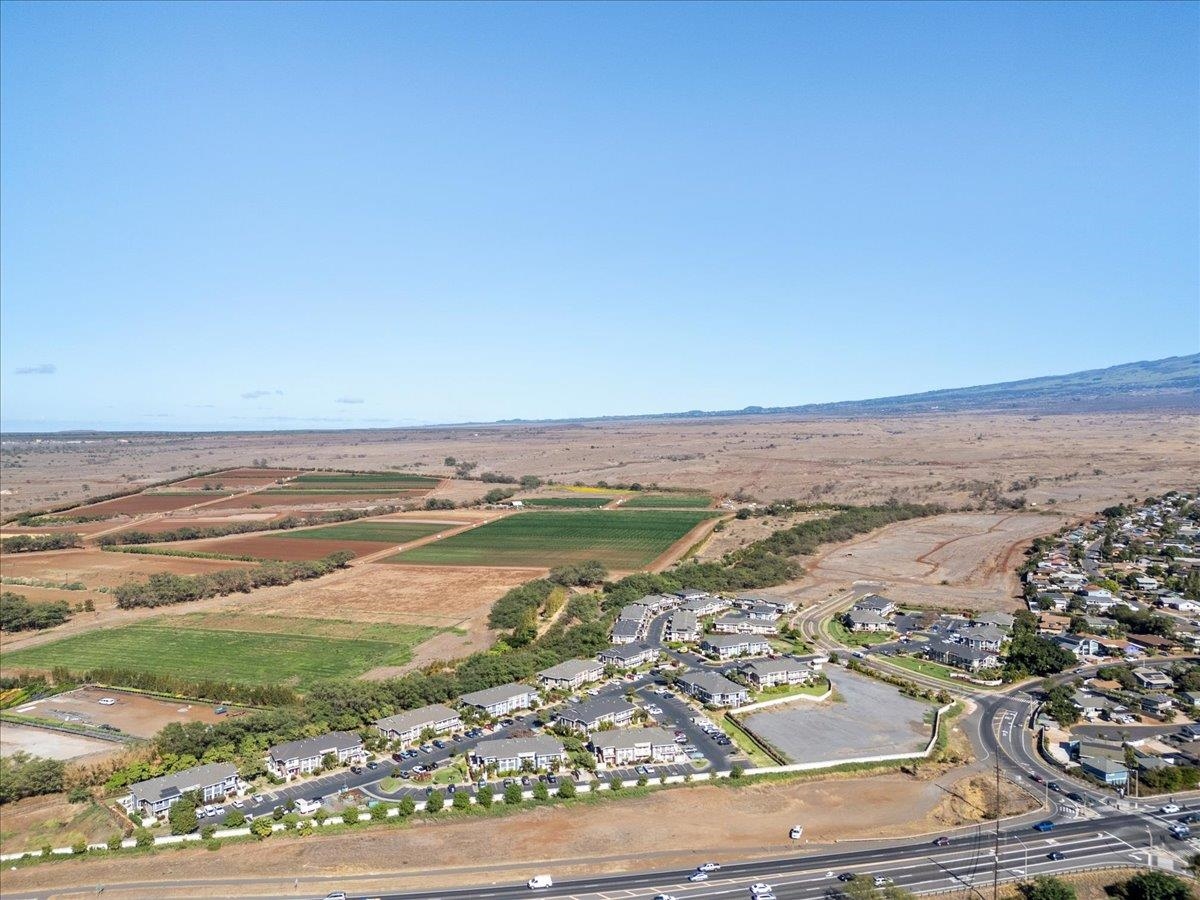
<point>673,553</point>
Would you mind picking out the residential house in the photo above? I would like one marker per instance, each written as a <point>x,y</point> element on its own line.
<point>501,700</point>
<point>741,623</point>
<point>1110,771</point>
<point>518,754</point>
<point>593,714</point>
<point>765,673</point>
<point>1153,679</point>
<point>1078,644</point>
<point>682,626</point>
<point>729,646</point>
<point>704,605</point>
<point>982,637</point>
<point>156,796</point>
<point>625,631</point>
<point>876,604</point>
<point>999,619</point>
<point>627,746</point>
<point>1152,642</point>
<point>866,620</point>
<point>628,656</point>
<point>635,612</point>
<point>1159,704</point>
<point>960,655</point>
<point>779,604</point>
<point>571,675</point>
<point>407,727</point>
<point>295,758</point>
<point>713,689</point>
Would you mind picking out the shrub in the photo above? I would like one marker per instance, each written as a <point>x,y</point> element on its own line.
<point>541,792</point>
<point>462,800</point>
<point>79,847</point>
<point>512,794</point>
<point>736,772</point>
<point>235,819</point>
<point>642,781</point>
<point>566,789</point>
<point>208,831</point>
<point>350,815</point>
<point>114,842</point>
<point>434,802</point>
<point>485,795</point>
<point>261,828</point>
<point>379,812</point>
<point>143,838</point>
<point>212,844</point>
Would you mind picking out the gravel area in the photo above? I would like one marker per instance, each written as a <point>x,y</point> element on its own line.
<point>871,718</point>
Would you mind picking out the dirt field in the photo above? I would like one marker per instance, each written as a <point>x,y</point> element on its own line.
<point>268,547</point>
<point>145,503</point>
<point>1082,462</point>
<point>261,500</point>
<point>974,554</point>
<point>134,714</point>
<point>52,744</point>
<point>34,821</point>
<point>236,479</point>
<point>98,568</point>
<point>685,826</point>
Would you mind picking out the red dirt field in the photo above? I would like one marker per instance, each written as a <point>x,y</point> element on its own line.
<point>288,549</point>
<point>82,528</point>
<point>232,479</point>
<point>143,503</point>
<point>99,568</point>
<point>171,523</point>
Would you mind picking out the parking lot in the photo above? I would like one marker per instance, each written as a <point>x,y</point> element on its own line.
<point>130,713</point>
<point>871,718</point>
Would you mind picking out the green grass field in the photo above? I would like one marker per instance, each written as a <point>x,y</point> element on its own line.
<point>580,502</point>
<point>620,540</point>
<point>241,648</point>
<point>380,532</point>
<point>668,501</point>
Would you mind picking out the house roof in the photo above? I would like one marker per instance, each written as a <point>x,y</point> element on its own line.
<point>493,695</point>
<point>763,667</point>
<point>504,748</point>
<point>682,619</point>
<point>726,641</point>
<point>981,633</point>
<point>627,738</point>
<point>875,603</point>
<point>417,718</point>
<point>866,617</point>
<point>636,612</point>
<point>1103,764</point>
<point>626,651</point>
<point>316,746</point>
<point>594,710</point>
<point>999,619</point>
<point>167,786</point>
<point>712,683</point>
<point>572,668</point>
<point>626,628</point>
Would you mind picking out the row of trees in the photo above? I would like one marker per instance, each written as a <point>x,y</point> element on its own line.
<point>20,614</point>
<point>175,686</point>
<point>22,775</point>
<point>31,543</point>
<point>162,589</point>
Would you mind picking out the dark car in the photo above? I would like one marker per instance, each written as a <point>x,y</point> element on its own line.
<point>1044,826</point>
<point>398,756</point>
<point>1076,796</point>
<point>1056,855</point>
<point>943,841</point>
<point>525,780</point>
<point>847,876</point>
<point>405,773</point>
<point>357,770</point>
<point>552,779</point>
<point>1190,818</point>
<point>450,789</point>
<point>441,745</point>
<point>1036,777</point>
<point>1055,786</point>
<point>372,765</point>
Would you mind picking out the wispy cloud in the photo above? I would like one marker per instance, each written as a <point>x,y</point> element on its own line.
<point>255,395</point>
<point>348,400</point>
<point>39,369</point>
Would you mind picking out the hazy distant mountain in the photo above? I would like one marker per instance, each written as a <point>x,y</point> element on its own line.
<point>1161,384</point>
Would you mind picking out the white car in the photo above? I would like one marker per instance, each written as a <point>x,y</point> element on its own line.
<point>882,881</point>
<point>796,833</point>
<point>665,897</point>
<point>760,889</point>
<point>540,881</point>
<point>1169,808</point>
<point>239,803</point>
<point>107,701</point>
<point>708,867</point>
<point>698,876</point>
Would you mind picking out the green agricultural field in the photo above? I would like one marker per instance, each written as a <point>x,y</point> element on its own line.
<point>668,501</point>
<point>568,502</point>
<point>543,538</point>
<point>247,649</point>
<point>380,532</point>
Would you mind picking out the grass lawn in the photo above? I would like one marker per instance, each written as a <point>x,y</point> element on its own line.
<point>381,532</point>
<point>242,648</point>
<point>935,670</point>
<point>618,539</point>
<point>581,502</point>
<point>843,635</point>
<point>758,757</point>
<point>668,501</point>
<point>816,689</point>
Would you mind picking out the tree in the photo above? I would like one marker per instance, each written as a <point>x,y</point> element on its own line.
<point>1047,887</point>
<point>566,789</point>
<point>182,817</point>
<point>614,783</point>
<point>512,794</point>
<point>408,806</point>
<point>484,795</point>
<point>261,828</point>
<point>142,837</point>
<point>379,812</point>
<point>541,792</point>
<point>434,802</point>
<point>462,800</point>
<point>235,818</point>
<point>736,772</point>
<point>1154,886</point>
<point>350,815</point>
<point>114,842</point>
<point>208,831</point>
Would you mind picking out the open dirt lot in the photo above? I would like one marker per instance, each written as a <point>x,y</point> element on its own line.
<point>684,826</point>
<point>1083,462</point>
<point>134,714</point>
<point>284,548</point>
<point>867,718</point>
<point>236,479</point>
<point>34,821</point>
<point>52,744</point>
<point>98,568</point>
<point>959,560</point>
<point>145,503</point>
<point>261,500</point>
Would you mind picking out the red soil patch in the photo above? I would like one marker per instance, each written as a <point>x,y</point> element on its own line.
<point>231,479</point>
<point>142,503</point>
<point>264,500</point>
<point>100,568</point>
<point>288,549</point>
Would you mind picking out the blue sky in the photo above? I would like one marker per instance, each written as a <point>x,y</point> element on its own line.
<point>239,215</point>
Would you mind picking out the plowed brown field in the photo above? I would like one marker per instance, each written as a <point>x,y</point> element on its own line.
<point>264,500</point>
<point>288,549</point>
<point>99,568</point>
<point>145,503</point>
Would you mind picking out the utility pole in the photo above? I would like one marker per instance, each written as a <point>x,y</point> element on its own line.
<point>996,849</point>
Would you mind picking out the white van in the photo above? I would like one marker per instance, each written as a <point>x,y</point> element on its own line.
<point>304,806</point>
<point>540,881</point>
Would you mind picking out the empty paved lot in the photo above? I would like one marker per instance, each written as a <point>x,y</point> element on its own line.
<point>873,719</point>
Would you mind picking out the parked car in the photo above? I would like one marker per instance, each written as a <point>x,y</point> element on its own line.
<point>372,765</point>
<point>525,781</point>
<point>239,803</point>
<point>796,833</point>
<point>106,701</point>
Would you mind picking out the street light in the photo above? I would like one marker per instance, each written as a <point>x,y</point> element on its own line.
<point>1025,867</point>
